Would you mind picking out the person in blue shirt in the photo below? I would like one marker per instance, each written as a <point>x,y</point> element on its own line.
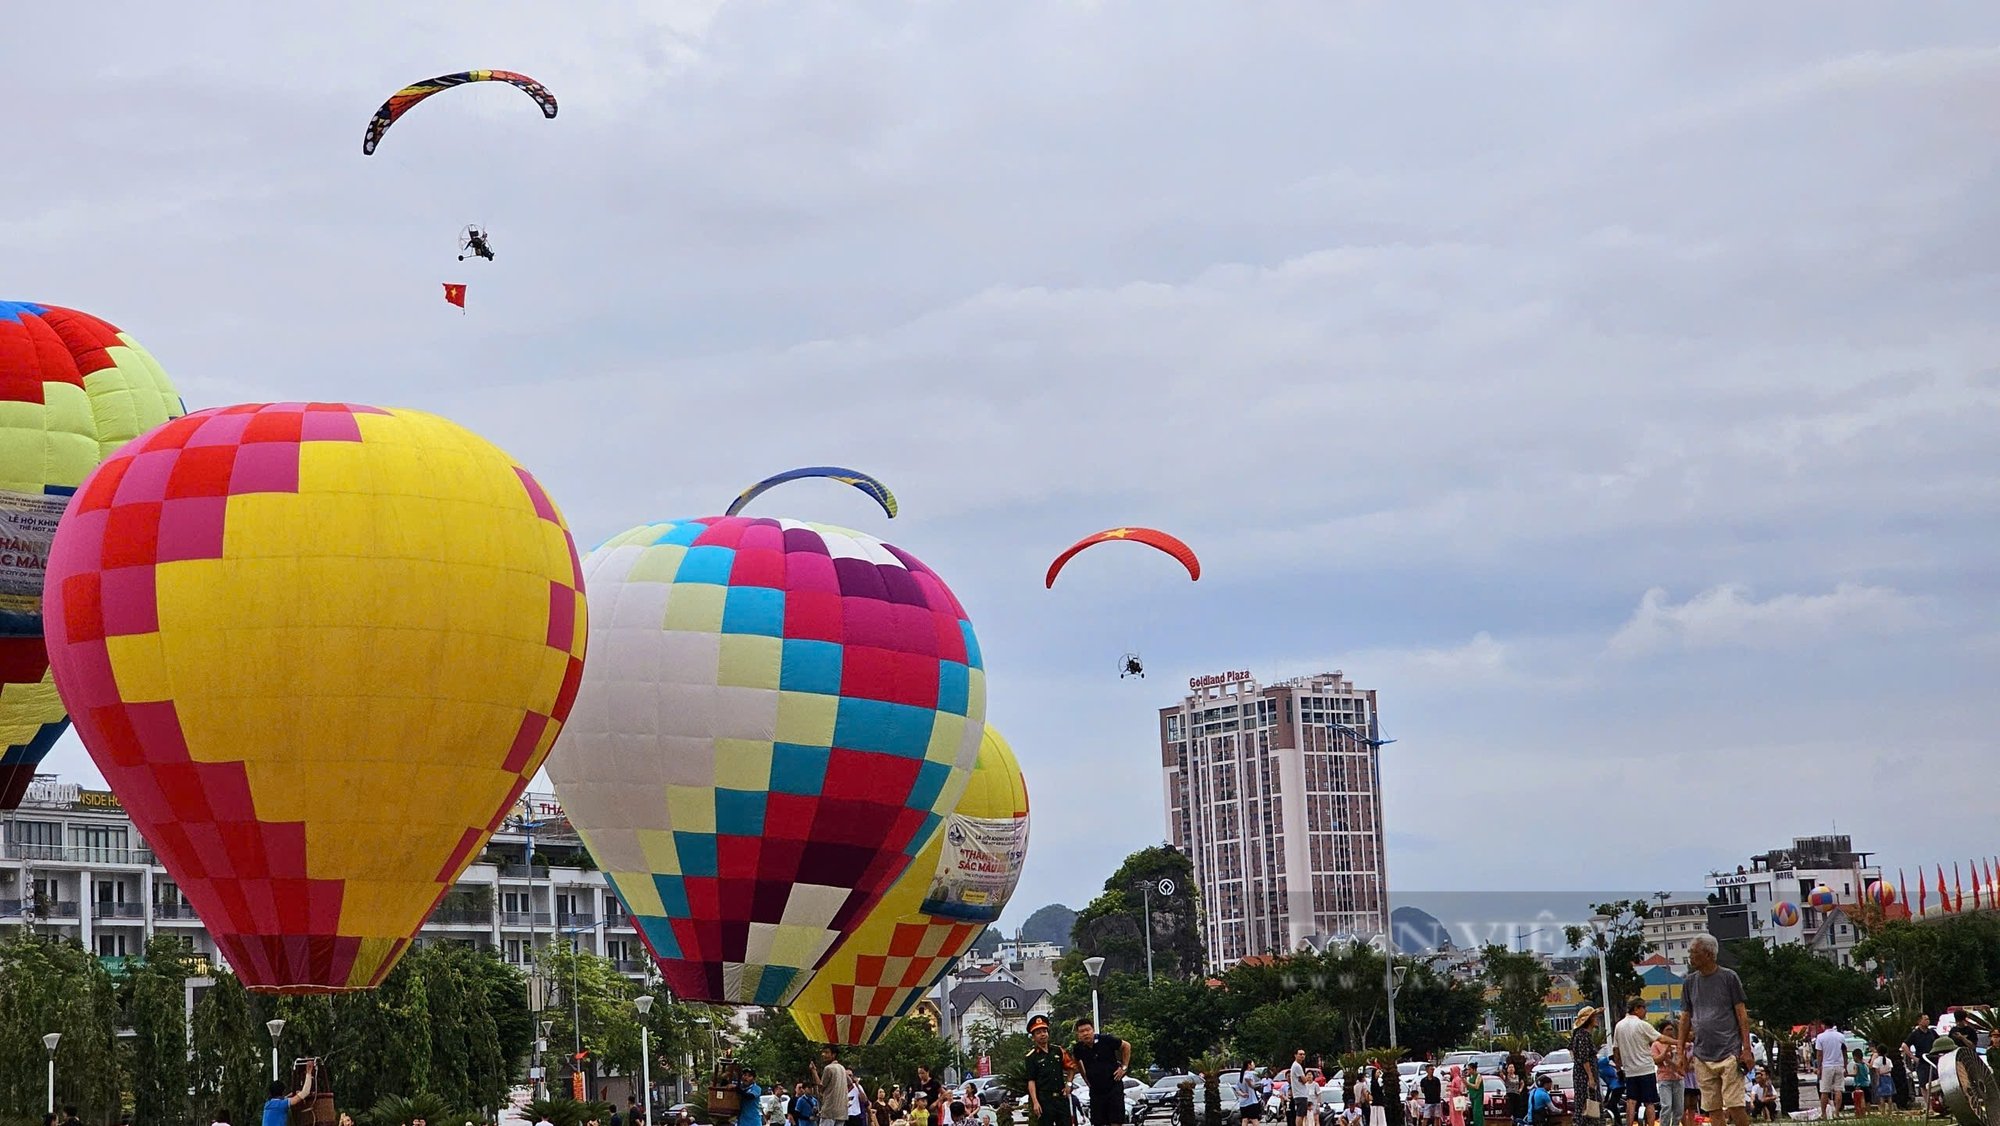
<point>278,1110</point>
<point>752,1112</point>
<point>1542,1101</point>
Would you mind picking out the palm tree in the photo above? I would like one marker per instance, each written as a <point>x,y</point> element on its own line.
<point>1210,1068</point>
<point>1885,1030</point>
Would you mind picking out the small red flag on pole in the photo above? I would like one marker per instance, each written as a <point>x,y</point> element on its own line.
<point>1923,894</point>
<point>454,292</point>
<point>1944,893</point>
<point>1958,886</point>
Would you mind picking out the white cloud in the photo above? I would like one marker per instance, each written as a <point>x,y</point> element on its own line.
<point>1730,616</point>
<point>1438,339</point>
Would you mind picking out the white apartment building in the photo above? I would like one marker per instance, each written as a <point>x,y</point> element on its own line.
<point>1740,903</point>
<point>1275,794</point>
<point>73,865</point>
<point>1671,928</point>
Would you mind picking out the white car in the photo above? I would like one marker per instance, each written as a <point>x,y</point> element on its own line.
<point>1559,1068</point>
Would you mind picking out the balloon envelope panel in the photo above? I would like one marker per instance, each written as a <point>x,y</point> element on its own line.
<point>776,718</point>
<point>73,389</point>
<point>317,650</point>
<point>934,913</point>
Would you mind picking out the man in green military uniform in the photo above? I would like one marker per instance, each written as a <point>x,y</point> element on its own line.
<point>1048,1077</point>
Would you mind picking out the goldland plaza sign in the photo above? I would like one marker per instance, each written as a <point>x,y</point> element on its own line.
<point>1215,679</point>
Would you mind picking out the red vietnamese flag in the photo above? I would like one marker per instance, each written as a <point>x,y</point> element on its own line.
<point>1958,886</point>
<point>1976,881</point>
<point>1923,894</point>
<point>454,292</point>
<point>1944,895</point>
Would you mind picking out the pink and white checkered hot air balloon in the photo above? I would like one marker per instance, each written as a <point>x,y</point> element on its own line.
<point>777,716</point>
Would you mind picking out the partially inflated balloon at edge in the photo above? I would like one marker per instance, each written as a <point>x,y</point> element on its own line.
<point>72,389</point>
<point>317,650</point>
<point>958,885</point>
<point>775,720</point>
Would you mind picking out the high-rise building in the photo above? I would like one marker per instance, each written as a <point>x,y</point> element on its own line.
<point>1275,793</point>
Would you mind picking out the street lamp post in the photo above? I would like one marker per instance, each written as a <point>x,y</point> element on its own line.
<point>49,1042</point>
<point>644,1003</point>
<point>541,1046</point>
<point>1603,972</point>
<point>276,1027</point>
<point>1096,967</point>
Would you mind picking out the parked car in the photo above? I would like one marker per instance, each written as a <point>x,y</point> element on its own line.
<point>1157,1101</point>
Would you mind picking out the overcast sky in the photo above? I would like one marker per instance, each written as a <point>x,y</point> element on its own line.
<point>1615,388</point>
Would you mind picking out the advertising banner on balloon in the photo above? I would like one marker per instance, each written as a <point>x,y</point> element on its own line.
<point>981,862</point>
<point>27,527</point>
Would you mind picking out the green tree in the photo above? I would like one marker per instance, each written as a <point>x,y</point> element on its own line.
<point>231,1068</point>
<point>1620,941</point>
<point>1788,985</point>
<point>1271,1032</point>
<point>1113,926</point>
<point>1182,1019</point>
<point>1436,1014</point>
<point>777,1048</point>
<point>896,1056</point>
<point>594,996</point>
<point>1521,984</point>
<point>54,985</point>
<point>158,1012</point>
<point>506,992</point>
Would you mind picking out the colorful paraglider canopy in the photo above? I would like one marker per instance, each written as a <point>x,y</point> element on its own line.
<point>875,489</point>
<point>776,720</point>
<point>1151,537</point>
<point>344,625</point>
<point>401,101</point>
<point>956,887</point>
<point>73,389</point>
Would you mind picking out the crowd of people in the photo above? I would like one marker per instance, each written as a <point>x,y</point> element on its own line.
<point>831,1094</point>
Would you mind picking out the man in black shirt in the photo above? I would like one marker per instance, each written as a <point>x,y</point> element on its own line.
<point>1102,1058</point>
<point>1433,1093</point>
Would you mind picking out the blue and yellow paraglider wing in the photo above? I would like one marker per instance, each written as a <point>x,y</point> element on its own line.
<point>875,489</point>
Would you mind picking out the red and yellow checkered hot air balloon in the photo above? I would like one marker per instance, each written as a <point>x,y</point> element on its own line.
<point>934,913</point>
<point>72,390</point>
<point>293,633</point>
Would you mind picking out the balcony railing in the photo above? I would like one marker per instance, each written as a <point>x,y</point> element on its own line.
<point>576,918</point>
<point>630,965</point>
<point>456,915</point>
<point>525,919</point>
<point>172,911</point>
<point>76,854</point>
<point>522,871</point>
<point>103,910</point>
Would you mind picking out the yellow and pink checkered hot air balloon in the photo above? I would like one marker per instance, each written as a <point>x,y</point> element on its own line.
<point>956,887</point>
<point>72,390</point>
<point>291,632</point>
